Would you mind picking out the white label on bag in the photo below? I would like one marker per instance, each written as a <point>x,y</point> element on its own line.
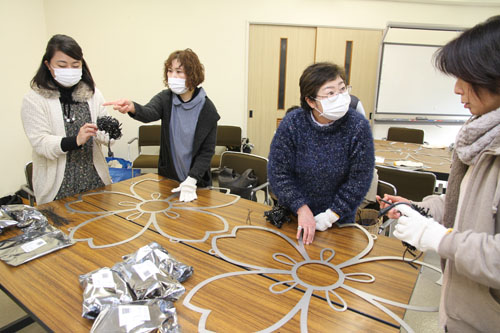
<point>103,279</point>
<point>142,252</point>
<point>33,245</point>
<point>132,315</point>
<point>146,269</point>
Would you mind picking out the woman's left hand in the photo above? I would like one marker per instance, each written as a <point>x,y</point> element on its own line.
<point>86,131</point>
<point>307,224</point>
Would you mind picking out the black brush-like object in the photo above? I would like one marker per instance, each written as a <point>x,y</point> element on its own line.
<point>111,126</point>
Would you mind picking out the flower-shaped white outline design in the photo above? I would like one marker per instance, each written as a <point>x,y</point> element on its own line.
<point>326,255</point>
<point>136,211</point>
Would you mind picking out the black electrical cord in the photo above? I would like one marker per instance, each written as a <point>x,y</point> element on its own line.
<point>408,247</point>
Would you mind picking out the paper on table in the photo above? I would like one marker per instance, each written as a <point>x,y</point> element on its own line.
<point>426,145</point>
<point>379,159</point>
<point>409,164</point>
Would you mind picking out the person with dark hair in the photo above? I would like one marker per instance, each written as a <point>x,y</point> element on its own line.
<point>322,155</point>
<point>59,115</point>
<point>292,108</point>
<point>463,226</point>
<point>188,122</point>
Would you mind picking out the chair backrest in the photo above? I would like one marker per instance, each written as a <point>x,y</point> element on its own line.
<point>229,136</point>
<point>149,135</point>
<point>413,185</point>
<point>403,134</point>
<point>239,162</point>
<point>385,188</point>
<point>28,172</point>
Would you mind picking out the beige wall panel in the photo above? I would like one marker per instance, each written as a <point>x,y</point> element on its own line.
<point>263,77</point>
<point>331,43</point>
<point>22,26</point>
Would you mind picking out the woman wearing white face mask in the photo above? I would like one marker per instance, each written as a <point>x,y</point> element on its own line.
<point>59,115</point>
<point>322,155</point>
<point>188,122</point>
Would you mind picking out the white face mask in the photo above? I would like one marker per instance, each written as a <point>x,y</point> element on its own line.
<point>335,107</point>
<point>68,77</point>
<point>178,86</point>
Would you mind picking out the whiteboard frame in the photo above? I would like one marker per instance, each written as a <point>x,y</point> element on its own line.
<point>381,59</point>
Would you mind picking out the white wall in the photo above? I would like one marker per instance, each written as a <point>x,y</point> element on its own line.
<point>23,41</point>
<point>125,43</point>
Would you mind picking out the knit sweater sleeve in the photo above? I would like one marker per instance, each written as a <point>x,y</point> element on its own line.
<point>280,168</point>
<point>350,193</point>
<point>152,111</point>
<point>36,117</point>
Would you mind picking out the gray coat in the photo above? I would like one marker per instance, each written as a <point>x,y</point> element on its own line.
<point>470,299</point>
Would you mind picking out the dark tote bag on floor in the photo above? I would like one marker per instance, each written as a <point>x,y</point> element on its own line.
<point>241,185</point>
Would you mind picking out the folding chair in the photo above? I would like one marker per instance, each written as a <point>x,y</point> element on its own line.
<point>28,187</point>
<point>228,137</point>
<point>239,162</point>
<point>148,136</point>
<point>403,134</point>
<point>413,185</point>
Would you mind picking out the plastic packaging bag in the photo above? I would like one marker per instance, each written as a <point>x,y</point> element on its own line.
<point>102,287</point>
<point>160,257</point>
<point>31,245</point>
<point>155,315</point>
<point>124,172</point>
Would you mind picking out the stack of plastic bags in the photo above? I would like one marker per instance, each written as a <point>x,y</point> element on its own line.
<point>137,294</point>
<point>39,237</point>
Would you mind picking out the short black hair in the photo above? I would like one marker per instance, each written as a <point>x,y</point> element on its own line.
<point>292,108</point>
<point>474,56</point>
<point>315,76</point>
<point>67,45</point>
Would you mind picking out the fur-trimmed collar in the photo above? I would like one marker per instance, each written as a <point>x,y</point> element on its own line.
<point>81,93</point>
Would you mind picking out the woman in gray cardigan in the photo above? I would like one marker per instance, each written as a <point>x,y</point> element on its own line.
<point>188,123</point>
<point>465,225</point>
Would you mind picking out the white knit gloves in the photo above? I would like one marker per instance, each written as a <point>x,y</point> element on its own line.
<point>325,220</point>
<point>422,232</point>
<point>187,189</point>
<point>103,138</point>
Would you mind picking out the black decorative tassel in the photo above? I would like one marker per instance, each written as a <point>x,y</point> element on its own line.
<point>111,126</point>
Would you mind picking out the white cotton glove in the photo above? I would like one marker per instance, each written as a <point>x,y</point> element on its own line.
<point>422,232</point>
<point>103,138</point>
<point>187,189</point>
<point>325,220</point>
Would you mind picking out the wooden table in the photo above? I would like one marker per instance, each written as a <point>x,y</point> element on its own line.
<point>435,160</point>
<point>48,287</point>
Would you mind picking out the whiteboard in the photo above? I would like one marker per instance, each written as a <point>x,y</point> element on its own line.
<point>410,84</point>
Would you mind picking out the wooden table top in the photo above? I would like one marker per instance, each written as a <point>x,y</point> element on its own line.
<point>236,255</point>
<point>436,160</point>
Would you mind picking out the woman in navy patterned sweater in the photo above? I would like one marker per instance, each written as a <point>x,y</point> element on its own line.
<point>322,155</point>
